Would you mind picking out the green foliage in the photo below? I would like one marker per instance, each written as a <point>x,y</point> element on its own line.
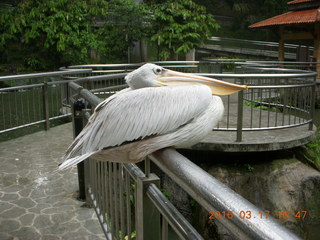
<point>125,25</point>
<point>179,26</point>
<point>54,32</point>
<point>47,34</point>
<point>312,152</point>
<point>44,34</point>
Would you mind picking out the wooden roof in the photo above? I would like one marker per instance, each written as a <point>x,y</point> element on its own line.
<point>293,17</point>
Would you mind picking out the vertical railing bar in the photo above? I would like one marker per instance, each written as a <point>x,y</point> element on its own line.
<point>290,105</point>
<point>3,111</point>
<point>269,107</point>
<point>228,111</point>
<point>101,190</point>
<point>295,104</point>
<point>45,106</point>
<point>104,191</point>
<point>301,104</point>
<point>116,198</point>
<point>312,103</point>
<point>147,167</point>
<point>22,107</point>
<point>276,117</point>
<point>50,98</point>
<point>33,104</point>
<point>28,103</point>
<point>164,230</point>
<point>39,105</point>
<point>128,203</point>
<point>305,108</point>
<point>16,108</point>
<point>98,183</point>
<point>251,108</point>
<point>122,208</point>
<point>111,195</point>
<point>95,179</point>
<point>284,102</point>
<point>240,115</point>
<point>260,110</point>
<point>108,196</point>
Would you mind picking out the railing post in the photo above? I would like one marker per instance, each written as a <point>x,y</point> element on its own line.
<point>240,115</point>
<point>86,166</point>
<point>312,103</point>
<point>147,215</point>
<point>78,106</point>
<point>45,99</point>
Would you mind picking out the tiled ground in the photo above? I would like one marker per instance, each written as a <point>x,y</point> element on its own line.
<point>36,200</point>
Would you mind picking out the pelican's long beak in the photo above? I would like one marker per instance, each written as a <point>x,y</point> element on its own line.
<point>218,87</point>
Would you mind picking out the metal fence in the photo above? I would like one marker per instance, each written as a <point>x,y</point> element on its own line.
<point>127,199</point>
<point>130,205</point>
<point>272,101</point>
<point>30,99</point>
<point>277,98</point>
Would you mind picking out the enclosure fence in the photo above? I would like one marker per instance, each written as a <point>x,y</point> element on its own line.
<point>30,99</point>
<point>127,198</point>
<point>277,98</point>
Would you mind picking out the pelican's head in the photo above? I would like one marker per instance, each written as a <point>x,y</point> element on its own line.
<point>151,75</point>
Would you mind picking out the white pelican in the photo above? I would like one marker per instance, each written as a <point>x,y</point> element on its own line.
<point>161,108</point>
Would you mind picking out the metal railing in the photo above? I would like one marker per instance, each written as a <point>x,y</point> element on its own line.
<point>128,200</point>
<point>130,204</point>
<point>272,101</point>
<point>30,99</point>
<point>276,99</point>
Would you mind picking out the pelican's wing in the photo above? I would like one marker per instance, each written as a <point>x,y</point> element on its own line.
<point>137,114</point>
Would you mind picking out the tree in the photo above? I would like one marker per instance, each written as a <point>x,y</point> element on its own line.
<point>179,26</point>
<point>125,24</point>
<point>50,33</point>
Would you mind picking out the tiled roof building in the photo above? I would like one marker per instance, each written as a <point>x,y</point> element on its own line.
<point>303,21</point>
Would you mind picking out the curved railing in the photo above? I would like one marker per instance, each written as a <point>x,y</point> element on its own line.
<point>276,98</point>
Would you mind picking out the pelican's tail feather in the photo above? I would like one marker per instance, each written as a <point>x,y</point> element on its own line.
<point>73,161</point>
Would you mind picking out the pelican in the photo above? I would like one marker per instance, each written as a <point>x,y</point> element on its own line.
<point>161,108</point>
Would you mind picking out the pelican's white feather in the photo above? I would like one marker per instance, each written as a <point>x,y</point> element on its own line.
<point>137,114</point>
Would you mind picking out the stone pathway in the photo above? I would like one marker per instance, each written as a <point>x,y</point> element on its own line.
<point>36,200</point>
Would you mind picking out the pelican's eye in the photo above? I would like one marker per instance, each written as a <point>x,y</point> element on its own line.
<point>158,70</point>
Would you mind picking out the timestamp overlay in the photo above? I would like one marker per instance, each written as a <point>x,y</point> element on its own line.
<point>247,214</point>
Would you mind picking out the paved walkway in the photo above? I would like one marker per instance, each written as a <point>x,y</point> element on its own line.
<point>36,201</point>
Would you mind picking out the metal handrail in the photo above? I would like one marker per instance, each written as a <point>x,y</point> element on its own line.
<point>215,196</point>
<point>45,74</point>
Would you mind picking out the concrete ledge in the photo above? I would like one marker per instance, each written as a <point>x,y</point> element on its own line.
<point>257,141</point>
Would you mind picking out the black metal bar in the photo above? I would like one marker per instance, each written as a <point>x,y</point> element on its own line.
<point>78,106</point>
<point>45,98</point>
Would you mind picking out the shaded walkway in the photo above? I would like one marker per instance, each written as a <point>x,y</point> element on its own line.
<point>37,202</point>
